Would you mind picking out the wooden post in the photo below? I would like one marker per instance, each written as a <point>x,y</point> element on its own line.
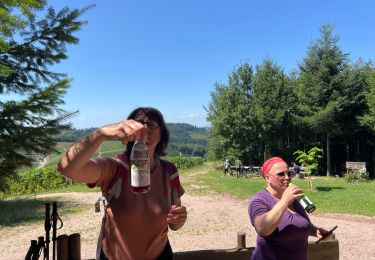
<point>75,246</point>
<point>241,240</point>
<point>62,247</point>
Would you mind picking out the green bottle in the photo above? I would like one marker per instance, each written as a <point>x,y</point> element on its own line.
<point>306,203</point>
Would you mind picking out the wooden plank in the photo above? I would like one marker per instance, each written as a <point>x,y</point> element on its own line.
<point>355,165</point>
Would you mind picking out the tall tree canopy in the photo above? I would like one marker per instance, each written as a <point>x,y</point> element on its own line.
<point>272,107</point>
<point>322,93</point>
<point>33,38</point>
<point>229,115</point>
<point>368,118</point>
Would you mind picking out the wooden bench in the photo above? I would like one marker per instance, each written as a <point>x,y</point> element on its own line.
<point>355,166</point>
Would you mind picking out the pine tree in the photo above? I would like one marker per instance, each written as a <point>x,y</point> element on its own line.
<point>322,92</point>
<point>272,107</point>
<point>31,92</point>
<point>230,117</point>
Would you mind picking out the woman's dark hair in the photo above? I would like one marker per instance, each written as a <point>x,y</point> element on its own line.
<point>153,115</point>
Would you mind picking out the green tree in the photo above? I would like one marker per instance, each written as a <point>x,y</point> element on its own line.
<point>32,40</point>
<point>230,116</point>
<point>368,118</point>
<point>272,107</point>
<point>309,160</point>
<point>321,91</point>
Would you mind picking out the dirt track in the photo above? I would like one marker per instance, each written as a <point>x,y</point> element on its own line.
<point>213,223</point>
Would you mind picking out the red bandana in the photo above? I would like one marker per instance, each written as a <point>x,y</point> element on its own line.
<point>269,163</point>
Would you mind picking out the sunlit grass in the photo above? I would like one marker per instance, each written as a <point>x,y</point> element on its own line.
<point>333,195</point>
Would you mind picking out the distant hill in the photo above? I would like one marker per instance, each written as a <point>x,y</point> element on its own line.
<point>73,135</point>
<point>184,139</point>
<point>187,140</point>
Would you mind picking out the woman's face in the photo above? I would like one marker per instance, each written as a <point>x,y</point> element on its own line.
<point>153,128</point>
<point>279,177</point>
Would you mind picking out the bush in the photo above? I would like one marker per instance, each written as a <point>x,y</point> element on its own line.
<point>357,176</point>
<point>37,180</point>
<point>183,162</point>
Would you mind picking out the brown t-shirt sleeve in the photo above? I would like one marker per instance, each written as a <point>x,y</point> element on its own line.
<point>108,169</point>
<point>180,189</point>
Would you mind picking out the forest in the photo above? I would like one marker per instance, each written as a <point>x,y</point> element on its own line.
<point>327,102</point>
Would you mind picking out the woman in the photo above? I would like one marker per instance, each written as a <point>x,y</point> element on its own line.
<point>280,221</point>
<point>136,225</point>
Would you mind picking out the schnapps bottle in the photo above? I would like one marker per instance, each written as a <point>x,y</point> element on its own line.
<point>140,168</point>
<point>306,203</point>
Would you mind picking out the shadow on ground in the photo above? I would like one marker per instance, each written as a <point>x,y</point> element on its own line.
<point>24,211</point>
<point>329,188</point>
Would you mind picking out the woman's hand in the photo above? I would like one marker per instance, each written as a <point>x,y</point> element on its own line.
<point>126,131</point>
<point>291,193</point>
<point>176,217</point>
<point>321,232</point>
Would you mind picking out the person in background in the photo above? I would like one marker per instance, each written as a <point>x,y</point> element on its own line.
<point>296,168</point>
<point>136,225</point>
<point>226,166</point>
<point>281,223</point>
<point>238,164</point>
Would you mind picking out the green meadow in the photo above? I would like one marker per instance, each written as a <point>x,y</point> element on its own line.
<point>330,195</point>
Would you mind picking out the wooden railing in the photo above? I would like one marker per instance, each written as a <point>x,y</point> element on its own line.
<point>328,250</point>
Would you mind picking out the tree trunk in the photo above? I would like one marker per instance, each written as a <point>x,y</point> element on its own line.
<point>262,153</point>
<point>328,157</point>
<point>347,152</point>
<point>310,182</point>
<point>357,151</point>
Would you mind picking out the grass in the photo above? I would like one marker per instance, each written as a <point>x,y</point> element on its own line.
<point>330,195</point>
<point>17,212</point>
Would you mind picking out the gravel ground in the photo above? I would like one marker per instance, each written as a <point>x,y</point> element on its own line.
<point>213,223</point>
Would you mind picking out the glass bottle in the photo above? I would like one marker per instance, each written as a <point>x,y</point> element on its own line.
<point>140,168</point>
<point>306,203</point>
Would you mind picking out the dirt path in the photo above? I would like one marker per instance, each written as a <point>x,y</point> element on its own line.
<point>213,223</point>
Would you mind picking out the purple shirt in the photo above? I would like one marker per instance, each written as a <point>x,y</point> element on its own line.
<point>289,239</point>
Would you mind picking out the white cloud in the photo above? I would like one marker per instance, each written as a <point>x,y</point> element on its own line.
<point>190,115</point>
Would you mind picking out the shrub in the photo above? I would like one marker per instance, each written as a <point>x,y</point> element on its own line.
<point>357,176</point>
<point>37,180</point>
<point>183,162</point>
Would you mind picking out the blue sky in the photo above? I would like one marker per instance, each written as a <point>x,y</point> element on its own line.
<point>168,54</point>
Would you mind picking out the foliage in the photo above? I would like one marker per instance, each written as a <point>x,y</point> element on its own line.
<point>309,160</point>
<point>326,102</point>
<point>228,112</point>
<point>37,180</point>
<point>183,162</point>
<point>272,107</point>
<point>29,48</point>
<point>322,88</point>
<point>357,176</point>
<point>368,118</point>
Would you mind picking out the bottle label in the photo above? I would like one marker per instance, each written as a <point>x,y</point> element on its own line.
<point>303,202</point>
<point>308,201</point>
<point>140,175</point>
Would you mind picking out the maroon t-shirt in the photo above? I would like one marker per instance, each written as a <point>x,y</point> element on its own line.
<point>136,224</point>
<point>290,239</point>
